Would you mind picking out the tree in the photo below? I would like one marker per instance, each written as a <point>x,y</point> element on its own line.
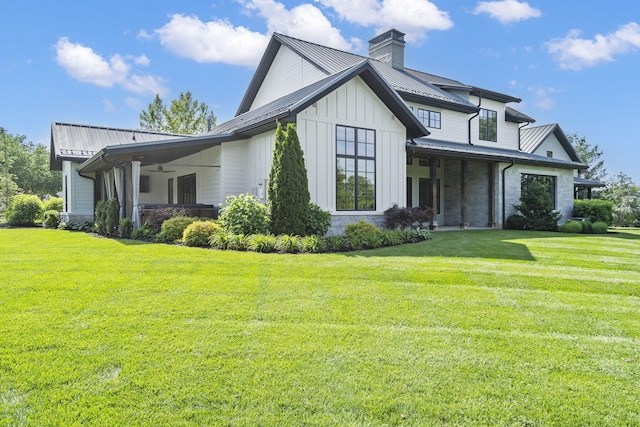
<point>625,195</point>
<point>185,116</point>
<point>591,155</point>
<point>288,186</point>
<point>536,206</point>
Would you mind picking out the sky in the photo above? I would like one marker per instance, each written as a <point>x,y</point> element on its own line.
<point>572,62</point>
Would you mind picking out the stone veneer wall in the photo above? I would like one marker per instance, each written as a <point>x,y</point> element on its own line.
<point>477,193</point>
<point>339,222</point>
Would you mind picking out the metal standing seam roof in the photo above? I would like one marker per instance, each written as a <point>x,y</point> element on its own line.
<point>532,137</point>
<point>457,150</point>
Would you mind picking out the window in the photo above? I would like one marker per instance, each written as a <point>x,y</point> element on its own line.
<point>424,193</point>
<point>355,169</point>
<point>548,181</point>
<point>488,125</point>
<point>187,189</point>
<point>145,185</point>
<point>549,153</point>
<point>429,118</point>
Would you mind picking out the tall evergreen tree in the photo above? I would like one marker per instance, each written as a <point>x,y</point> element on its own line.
<point>185,115</point>
<point>288,187</point>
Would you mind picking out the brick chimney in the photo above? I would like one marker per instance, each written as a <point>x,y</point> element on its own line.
<point>388,47</point>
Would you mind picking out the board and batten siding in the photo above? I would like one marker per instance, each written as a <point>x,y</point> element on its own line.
<point>288,72</point>
<point>353,104</point>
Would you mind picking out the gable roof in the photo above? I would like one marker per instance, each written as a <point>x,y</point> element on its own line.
<point>80,142</point>
<point>331,61</point>
<point>532,137</point>
<point>285,109</point>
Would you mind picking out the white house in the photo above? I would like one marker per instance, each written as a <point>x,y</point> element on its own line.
<point>373,132</point>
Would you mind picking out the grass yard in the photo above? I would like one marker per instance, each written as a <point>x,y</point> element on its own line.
<point>472,328</point>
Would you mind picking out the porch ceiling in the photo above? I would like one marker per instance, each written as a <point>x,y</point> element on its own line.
<point>438,148</point>
<point>151,152</point>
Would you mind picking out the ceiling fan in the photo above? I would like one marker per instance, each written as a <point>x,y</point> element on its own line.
<point>161,170</point>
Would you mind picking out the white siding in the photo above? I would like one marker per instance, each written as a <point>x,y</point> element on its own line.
<point>454,126</point>
<point>289,72</point>
<point>80,197</point>
<point>258,164</point>
<point>552,144</point>
<point>353,104</point>
<point>507,131</point>
<point>232,170</point>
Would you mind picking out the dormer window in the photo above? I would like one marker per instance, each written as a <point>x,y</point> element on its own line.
<point>488,125</point>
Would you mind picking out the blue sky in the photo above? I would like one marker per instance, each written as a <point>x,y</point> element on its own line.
<point>572,62</point>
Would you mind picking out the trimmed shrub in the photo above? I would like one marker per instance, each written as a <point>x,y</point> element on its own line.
<point>126,228</point>
<point>397,217</point>
<point>571,227</point>
<point>53,204</point>
<point>51,219</point>
<point>244,214</point>
<point>107,217</point>
<point>199,233</point>
<point>265,243</point>
<point>286,243</point>
<point>516,222</point>
<point>600,227</point>
<point>312,244</point>
<point>362,234</point>
<point>595,209</point>
<point>587,227</point>
<point>173,229</point>
<point>144,232</point>
<point>318,220</point>
<point>24,209</point>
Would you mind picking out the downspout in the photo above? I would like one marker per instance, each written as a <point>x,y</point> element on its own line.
<point>473,117</point>
<point>504,210</point>
<point>519,134</point>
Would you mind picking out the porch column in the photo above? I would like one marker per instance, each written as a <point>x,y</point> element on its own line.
<point>433,199</point>
<point>492,195</point>
<point>464,201</point>
<point>135,182</point>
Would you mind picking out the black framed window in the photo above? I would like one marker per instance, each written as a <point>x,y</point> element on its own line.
<point>488,125</point>
<point>355,169</point>
<point>547,180</point>
<point>430,119</point>
<point>187,189</point>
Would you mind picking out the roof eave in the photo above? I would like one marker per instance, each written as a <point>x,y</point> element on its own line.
<point>495,96</point>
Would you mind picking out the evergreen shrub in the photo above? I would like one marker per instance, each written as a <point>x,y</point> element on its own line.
<point>199,233</point>
<point>173,229</point>
<point>571,227</point>
<point>362,234</point>
<point>51,219</point>
<point>595,209</point>
<point>600,227</point>
<point>587,227</point>
<point>536,206</point>
<point>126,228</point>
<point>516,222</point>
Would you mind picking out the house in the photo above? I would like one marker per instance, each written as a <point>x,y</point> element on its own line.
<point>373,132</point>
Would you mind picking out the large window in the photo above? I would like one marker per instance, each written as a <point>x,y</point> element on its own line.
<point>488,125</point>
<point>187,189</point>
<point>429,118</point>
<point>548,181</point>
<point>355,169</point>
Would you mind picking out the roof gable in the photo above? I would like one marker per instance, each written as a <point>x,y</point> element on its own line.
<point>532,137</point>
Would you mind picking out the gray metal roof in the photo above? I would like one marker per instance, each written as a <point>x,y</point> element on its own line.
<point>532,137</point>
<point>284,109</point>
<point>457,150</point>
<point>442,82</point>
<point>583,182</point>
<point>332,61</point>
<point>80,142</point>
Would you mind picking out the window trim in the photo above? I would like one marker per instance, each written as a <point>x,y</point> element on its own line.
<point>484,118</point>
<point>190,197</point>
<point>433,119</point>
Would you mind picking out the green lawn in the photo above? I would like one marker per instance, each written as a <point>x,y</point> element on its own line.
<point>472,328</point>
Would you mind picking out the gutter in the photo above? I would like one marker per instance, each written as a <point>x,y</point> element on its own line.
<point>504,210</point>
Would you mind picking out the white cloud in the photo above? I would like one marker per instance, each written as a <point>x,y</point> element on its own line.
<point>142,60</point>
<point>214,41</point>
<point>543,96</point>
<point>413,17</point>
<point>83,64</point>
<point>575,53</point>
<point>507,11</point>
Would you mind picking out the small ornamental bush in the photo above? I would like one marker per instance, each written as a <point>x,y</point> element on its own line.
<point>51,219</point>
<point>318,220</point>
<point>587,227</point>
<point>338,243</point>
<point>265,243</point>
<point>76,226</point>
<point>312,244</point>
<point>173,229</point>
<point>144,232</point>
<point>397,217</point>
<point>244,214</point>
<point>199,233</point>
<point>516,222</point>
<point>391,238</point>
<point>24,209</point>
<point>53,204</point>
<point>126,228</point>
<point>571,227</point>
<point>238,242</point>
<point>287,244</point>
<point>220,240</point>
<point>362,234</point>
<point>155,217</point>
<point>600,227</point>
